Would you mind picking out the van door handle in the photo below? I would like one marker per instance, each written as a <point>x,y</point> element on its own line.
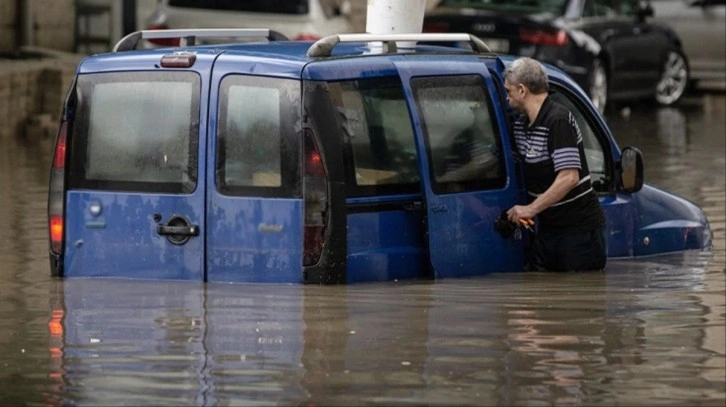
<point>178,230</point>
<point>191,230</point>
<point>413,206</point>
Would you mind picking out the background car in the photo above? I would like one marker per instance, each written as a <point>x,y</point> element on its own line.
<point>701,26</point>
<point>296,19</point>
<point>606,46</point>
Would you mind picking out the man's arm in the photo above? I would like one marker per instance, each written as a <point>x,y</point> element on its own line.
<point>565,180</point>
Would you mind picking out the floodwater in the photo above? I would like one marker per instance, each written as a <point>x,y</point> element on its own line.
<point>646,332</point>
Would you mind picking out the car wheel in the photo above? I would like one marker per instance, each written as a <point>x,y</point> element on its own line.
<point>598,85</point>
<point>674,79</point>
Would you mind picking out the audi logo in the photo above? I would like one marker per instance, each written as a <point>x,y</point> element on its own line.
<point>484,27</point>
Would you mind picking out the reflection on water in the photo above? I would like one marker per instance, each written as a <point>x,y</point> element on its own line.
<point>646,332</point>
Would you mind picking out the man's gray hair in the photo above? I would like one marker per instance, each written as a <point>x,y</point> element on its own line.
<point>530,73</point>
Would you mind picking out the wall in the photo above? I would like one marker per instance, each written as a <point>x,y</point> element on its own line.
<point>32,90</point>
<point>53,24</point>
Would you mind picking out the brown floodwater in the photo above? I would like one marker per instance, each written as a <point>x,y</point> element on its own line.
<point>645,332</point>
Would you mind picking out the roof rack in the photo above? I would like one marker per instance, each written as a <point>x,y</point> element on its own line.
<point>324,46</point>
<point>189,36</point>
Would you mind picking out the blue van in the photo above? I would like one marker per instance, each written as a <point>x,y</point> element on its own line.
<point>337,161</point>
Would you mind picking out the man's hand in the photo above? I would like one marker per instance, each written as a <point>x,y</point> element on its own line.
<point>518,212</point>
<point>564,182</point>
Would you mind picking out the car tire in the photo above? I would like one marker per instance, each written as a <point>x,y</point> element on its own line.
<point>598,85</point>
<point>674,79</point>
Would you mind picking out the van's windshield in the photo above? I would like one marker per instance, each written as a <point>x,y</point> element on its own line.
<point>261,6</point>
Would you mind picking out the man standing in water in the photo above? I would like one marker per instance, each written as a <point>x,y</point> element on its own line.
<point>571,224</point>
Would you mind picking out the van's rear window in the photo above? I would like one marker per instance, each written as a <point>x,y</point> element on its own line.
<point>258,137</point>
<point>136,131</point>
<point>260,6</point>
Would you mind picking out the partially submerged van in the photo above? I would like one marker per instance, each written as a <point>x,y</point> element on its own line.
<point>339,161</point>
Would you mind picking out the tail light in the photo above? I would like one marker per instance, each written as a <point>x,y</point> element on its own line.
<point>166,42</point>
<point>316,202</point>
<point>543,37</point>
<point>56,221</point>
<point>307,37</point>
<point>435,27</point>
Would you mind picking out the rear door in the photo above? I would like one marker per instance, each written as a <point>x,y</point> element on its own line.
<point>135,202</point>
<point>467,168</point>
<point>255,206</point>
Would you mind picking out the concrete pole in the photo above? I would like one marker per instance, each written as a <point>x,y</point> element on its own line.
<point>28,31</point>
<point>395,17</point>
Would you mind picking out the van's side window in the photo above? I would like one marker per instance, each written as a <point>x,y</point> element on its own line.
<point>461,135</point>
<point>375,125</point>
<point>136,132</point>
<point>596,154</point>
<point>258,135</point>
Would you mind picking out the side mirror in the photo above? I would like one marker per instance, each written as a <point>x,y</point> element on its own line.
<point>631,170</point>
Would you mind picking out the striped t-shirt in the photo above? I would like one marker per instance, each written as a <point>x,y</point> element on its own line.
<point>550,144</point>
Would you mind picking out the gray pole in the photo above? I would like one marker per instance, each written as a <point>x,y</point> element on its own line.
<point>27,23</point>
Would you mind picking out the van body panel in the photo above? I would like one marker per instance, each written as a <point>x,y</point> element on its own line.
<point>122,241</point>
<point>253,171</point>
<point>621,217</point>
<point>254,240</point>
<point>668,223</point>
<point>387,245</point>
<point>144,60</point>
<point>125,187</point>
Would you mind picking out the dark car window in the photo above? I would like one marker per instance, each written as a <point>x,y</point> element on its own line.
<point>462,138</point>
<point>258,136</point>
<point>264,6</point>
<point>375,124</point>
<point>533,6</point>
<point>136,132</point>
<point>596,153</point>
<point>610,8</point>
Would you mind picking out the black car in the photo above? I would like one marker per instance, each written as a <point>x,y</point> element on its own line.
<point>606,46</point>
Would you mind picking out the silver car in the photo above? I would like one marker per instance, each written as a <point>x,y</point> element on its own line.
<point>296,19</point>
<point>701,25</point>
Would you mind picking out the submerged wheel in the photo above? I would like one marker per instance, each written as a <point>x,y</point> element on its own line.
<point>598,85</point>
<point>674,79</point>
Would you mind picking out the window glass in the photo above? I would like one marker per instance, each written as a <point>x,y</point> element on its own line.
<point>376,126</point>
<point>605,8</point>
<point>264,6</point>
<point>257,132</point>
<point>595,155</point>
<point>462,139</point>
<point>627,7</point>
<point>137,131</point>
<point>553,6</point>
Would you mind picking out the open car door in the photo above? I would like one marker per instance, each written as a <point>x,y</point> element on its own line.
<point>466,165</point>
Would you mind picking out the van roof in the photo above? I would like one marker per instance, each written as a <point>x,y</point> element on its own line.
<point>289,53</point>
<point>281,56</point>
